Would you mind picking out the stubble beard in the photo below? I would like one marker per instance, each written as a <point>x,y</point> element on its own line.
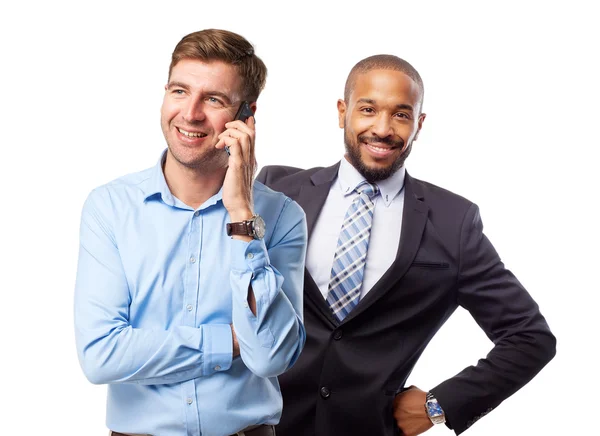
<point>209,159</point>
<point>372,175</point>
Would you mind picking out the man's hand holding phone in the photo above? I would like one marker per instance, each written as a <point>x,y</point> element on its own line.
<point>238,138</point>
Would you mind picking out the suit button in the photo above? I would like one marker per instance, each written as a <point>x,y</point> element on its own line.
<point>337,335</point>
<point>325,392</point>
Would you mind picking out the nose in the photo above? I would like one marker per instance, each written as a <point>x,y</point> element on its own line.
<point>193,110</point>
<point>382,127</point>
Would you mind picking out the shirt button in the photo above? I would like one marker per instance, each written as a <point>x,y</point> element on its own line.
<point>189,401</point>
<point>250,256</point>
<point>197,213</point>
<point>189,307</point>
<point>217,368</point>
<point>193,259</point>
<point>325,392</point>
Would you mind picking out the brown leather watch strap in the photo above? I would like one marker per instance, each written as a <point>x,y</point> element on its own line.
<point>239,229</point>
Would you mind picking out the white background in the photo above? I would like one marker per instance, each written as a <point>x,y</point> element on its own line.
<point>511,96</point>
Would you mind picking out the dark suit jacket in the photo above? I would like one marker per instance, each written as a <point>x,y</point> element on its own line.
<point>347,376</point>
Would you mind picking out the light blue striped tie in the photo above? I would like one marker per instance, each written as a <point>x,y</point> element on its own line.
<point>351,252</point>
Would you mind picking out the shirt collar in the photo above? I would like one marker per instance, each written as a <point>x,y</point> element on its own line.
<point>157,185</point>
<point>349,178</point>
<point>158,188</point>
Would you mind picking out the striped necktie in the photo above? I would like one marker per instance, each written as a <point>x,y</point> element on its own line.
<point>351,252</point>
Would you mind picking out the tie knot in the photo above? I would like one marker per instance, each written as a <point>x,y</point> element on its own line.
<point>370,190</point>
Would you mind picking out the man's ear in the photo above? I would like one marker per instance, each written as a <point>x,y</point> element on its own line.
<point>253,106</point>
<point>419,125</point>
<point>341,107</point>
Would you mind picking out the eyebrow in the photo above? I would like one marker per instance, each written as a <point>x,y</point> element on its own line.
<point>177,85</point>
<point>224,96</point>
<point>398,106</point>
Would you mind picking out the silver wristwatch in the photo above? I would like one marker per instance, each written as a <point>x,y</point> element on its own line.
<point>434,410</point>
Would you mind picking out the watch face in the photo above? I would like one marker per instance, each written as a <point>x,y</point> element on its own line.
<point>435,412</point>
<point>259,227</point>
<point>434,409</point>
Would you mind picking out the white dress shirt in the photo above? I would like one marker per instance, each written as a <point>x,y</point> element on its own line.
<point>385,230</point>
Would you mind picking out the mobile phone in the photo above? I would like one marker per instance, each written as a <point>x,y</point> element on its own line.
<point>243,113</point>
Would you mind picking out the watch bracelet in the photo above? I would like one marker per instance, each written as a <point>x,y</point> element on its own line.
<point>434,409</point>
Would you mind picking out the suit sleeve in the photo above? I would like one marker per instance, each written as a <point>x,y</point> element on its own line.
<point>523,343</point>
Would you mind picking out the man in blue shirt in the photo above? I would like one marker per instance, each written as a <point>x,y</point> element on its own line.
<point>188,301</point>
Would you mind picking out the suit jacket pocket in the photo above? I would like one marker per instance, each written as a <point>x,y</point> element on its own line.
<point>430,264</point>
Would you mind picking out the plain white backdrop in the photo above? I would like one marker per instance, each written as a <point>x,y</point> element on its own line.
<point>511,96</point>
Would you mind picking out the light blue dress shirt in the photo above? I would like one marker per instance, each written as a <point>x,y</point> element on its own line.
<point>158,285</point>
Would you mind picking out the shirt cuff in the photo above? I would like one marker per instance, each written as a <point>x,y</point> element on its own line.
<point>249,256</point>
<point>218,354</point>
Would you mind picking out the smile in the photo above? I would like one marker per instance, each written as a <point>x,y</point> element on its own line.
<point>191,134</point>
<point>379,151</point>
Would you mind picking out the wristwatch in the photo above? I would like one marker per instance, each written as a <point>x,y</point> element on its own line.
<point>254,227</point>
<point>434,410</point>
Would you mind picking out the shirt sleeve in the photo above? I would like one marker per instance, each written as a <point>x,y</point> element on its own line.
<point>271,341</point>
<point>110,350</point>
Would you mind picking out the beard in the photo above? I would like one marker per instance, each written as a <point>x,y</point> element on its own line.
<point>207,159</point>
<point>373,175</point>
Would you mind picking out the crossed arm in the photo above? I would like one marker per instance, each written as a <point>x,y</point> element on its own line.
<point>270,338</point>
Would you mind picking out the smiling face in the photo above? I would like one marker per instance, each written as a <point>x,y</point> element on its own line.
<point>381,119</point>
<point>199,99</point>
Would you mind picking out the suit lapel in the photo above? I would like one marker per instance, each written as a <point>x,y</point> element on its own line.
<point>311,198</point>
<point>414,218</point>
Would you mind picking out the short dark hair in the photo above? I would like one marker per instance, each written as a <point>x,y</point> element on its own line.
<point>383,62</point>
<point>222,45</point>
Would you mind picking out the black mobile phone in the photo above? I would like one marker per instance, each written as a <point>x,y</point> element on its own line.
<point>243,113</point>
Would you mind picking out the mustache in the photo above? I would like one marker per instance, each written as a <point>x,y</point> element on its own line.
<point>388,140</point>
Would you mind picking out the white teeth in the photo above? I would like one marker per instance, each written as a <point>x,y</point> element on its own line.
<point>378,148</point>
<point>191,134</point>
